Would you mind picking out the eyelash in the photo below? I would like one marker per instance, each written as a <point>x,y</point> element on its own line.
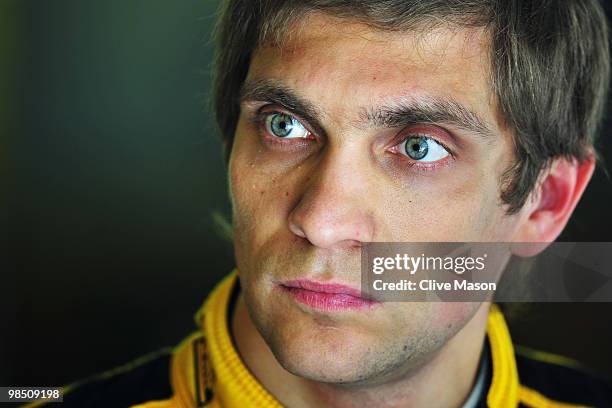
<point>402,137</point>
<point>259,117</point>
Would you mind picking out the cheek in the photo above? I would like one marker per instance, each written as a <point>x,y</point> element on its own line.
<point>451,316</point>
<point>260,196</point>
<point>437,214</point>
<point>463,207</point>
<point>244,192</point>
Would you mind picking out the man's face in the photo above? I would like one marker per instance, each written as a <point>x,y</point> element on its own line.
<point>332,149</point>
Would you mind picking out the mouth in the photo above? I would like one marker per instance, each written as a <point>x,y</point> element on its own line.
<point>329,297</point>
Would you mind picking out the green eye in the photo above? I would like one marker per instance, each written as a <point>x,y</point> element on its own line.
<point>424,149</point>
<point>285,126</point>
<point>416,147</point>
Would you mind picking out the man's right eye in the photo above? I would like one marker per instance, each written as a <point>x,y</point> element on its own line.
<point>285,126</point>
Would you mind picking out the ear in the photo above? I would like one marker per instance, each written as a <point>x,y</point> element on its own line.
<point>553,200</point>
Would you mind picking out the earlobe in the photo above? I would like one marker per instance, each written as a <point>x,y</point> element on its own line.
<point>554,200</point>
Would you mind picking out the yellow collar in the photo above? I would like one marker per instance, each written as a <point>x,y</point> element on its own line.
<point>226,382</point>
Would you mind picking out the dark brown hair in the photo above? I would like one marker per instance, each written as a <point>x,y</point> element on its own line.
<point>549,65</point>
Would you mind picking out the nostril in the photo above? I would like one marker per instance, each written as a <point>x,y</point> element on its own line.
<point>354,243</point>
<point>297,230</point>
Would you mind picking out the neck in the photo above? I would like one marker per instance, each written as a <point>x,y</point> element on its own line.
<point>444,380</point>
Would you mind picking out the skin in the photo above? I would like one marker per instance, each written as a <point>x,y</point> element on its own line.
<point>302,208</point>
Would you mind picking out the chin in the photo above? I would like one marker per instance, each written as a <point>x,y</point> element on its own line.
<point>328,358</point>
<point>311,348</point>
<point>352,348</point>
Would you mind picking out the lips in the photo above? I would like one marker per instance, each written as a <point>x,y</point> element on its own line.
<point>330,297</point>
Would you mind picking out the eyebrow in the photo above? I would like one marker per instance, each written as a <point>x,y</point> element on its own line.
<point>404,112</point>
<point>428,109</point>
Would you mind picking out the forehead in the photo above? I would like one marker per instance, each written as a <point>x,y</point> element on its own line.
<point>344,64</point>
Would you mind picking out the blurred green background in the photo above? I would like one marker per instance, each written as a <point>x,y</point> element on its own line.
<point>112,170</point>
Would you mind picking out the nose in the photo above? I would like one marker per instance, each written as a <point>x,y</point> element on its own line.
<point>334,207</point>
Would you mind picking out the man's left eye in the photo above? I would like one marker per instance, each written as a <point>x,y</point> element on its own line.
<point>423,149</point>
<point>285,126</point>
